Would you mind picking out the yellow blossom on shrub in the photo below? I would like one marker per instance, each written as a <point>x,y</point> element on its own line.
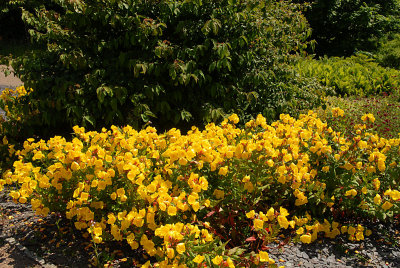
<point>377,199</point>
<point>264,256</point>
<point>368,117</point>
<point>217,260</point>
<point>258,224</point>
<point>336,112</point>
<point>198,259</point>
<point>305,238</point>
<point>387,205</point>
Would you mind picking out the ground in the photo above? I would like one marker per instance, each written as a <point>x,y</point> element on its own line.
<point>8,81</point>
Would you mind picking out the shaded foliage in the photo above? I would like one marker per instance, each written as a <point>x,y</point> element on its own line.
<point>341,27</point>
<point>176,63</point>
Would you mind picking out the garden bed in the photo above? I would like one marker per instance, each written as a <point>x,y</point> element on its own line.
<point>66,247</point>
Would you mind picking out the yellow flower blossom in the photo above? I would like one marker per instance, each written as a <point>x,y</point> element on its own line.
<point>198,259</point>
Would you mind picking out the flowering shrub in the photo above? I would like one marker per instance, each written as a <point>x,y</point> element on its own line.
<point>217,196</point>
<point>10,123</point>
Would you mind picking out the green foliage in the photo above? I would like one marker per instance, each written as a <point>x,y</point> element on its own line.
<point>176,63</point>
<point>357,75</point>
<point>341,27</point>
<point>12,26</point>
<point>388,53</point>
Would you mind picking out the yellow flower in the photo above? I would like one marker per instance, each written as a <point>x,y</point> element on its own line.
<point>381,165</point>
<point>120,192</point>
<point>351,192</point>
<point>264,257</point>
<point>362,145</point>
<point>75,166</point>
<point>170,253</point>
<point>219,194</point>
<point>300,231</point>
<point>196,206</point>
<point>364,190</point>
<point>336,112</point>
<point>387,205</point>
<point>198,259</point>
<point>377,199</point>
<point>395,195</point>
<point>271,214</point>
<point>283,222</point>
<point>258,224</point>
<point>217,259</point>
<point>306,238</point>
<point>250,214</point>
<point>368,117</point>
<point>359,236</point>
<point>172,211</point>
<point>248,186</point>
<point>223,171</point>
<point>376,183</point>
<point>351,230</point>
<point>111,218</point>
<point>246,179</point>
<point>348,166</point>
<point>180,248</point>
<point>234,118</point>
<point>283,211</point>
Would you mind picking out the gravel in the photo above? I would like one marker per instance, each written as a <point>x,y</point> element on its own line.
<point>374,251</point>
<point>381,249</point>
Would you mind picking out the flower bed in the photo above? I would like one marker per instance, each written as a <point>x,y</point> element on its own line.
<point>217,196</point>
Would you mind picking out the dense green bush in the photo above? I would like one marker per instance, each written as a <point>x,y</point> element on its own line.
<point>176,63</point>
<point>357,75</point>
<point>388,53</point>
<point>12,26</point>
<point>341,27</point>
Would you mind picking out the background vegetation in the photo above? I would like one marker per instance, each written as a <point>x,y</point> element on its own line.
<point>176,63</point>
<point>340,27</point>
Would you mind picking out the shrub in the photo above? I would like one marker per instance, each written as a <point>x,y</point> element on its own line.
<point>12,26</point>
<point>171,62</point>
<point>388,54</point>
<point>341,27</point>
<point>12,125</point>
<point>178,196</point>
<point>357,75</point>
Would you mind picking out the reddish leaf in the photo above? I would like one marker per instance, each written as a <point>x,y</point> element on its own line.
<point>210,213</point>
<point>250,239</point>
<point>265,247</point>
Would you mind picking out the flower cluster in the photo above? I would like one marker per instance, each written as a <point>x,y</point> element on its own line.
<point>172,194</point>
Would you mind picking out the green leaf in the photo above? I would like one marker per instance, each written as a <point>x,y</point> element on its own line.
<point>90,119</point>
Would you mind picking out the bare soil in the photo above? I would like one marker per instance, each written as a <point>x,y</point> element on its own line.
<point>10,80</point>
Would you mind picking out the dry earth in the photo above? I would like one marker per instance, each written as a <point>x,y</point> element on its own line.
<point>8,81</point>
